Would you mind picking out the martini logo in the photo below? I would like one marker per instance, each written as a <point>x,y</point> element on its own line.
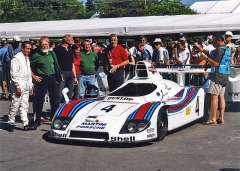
<point>152,69</point>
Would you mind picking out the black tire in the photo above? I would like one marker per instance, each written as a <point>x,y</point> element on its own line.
<point>162,124</point>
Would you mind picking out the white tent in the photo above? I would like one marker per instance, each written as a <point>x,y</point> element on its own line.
<point>126,26</point>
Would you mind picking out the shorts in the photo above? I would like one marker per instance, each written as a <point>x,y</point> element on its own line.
<point>216,88</point>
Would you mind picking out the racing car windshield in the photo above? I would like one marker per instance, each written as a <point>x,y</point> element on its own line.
<point>135,89</point>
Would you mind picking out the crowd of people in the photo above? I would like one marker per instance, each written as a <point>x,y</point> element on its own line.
<point>32,68</point>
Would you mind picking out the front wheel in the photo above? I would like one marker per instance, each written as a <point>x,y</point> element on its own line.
<point>162,124</point>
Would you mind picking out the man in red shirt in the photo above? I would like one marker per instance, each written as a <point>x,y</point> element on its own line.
<point>116,59</point>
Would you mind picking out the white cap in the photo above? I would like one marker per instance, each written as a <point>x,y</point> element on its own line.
<point>229,33</point>
<point>157,40</point>
<point>210,37</point>
<point>17,38</point>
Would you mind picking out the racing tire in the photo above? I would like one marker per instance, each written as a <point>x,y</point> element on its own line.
<point>162,124</point>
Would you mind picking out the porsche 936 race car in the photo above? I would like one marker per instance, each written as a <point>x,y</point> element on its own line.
<point>144,108</point>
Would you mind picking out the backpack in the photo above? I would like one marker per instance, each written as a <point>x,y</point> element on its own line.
<point>224,66</point>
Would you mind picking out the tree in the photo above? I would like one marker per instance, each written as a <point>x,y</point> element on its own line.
<point>40,10</point>
<point>174,7</point>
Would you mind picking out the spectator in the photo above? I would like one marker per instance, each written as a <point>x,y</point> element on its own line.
<point>144,53</point>
<point>77,41</point>
<point>45,80</point>
<point>235,59</point>
<point>52,45</point>
<point>5,70</point>
<point>143,39</point>
<point>209,47</point>
<point>218,81</point>
<point>181,56</point>
<point>160,54</point>
<point>116,59</point>
<point>88,66</point>
<point>21,87</point>
<point>66,63</point>
<point>77,60</point>
<point>228,40</point>
<point>198,78</point>
<point>132,49</point>
<point>129,68</point>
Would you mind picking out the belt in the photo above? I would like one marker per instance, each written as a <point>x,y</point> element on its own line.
<point>41,75</point>
<point>87,74</point>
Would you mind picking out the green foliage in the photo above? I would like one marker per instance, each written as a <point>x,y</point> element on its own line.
<point>174,7</point>
<point>43,10</point>
<point>40,10</point>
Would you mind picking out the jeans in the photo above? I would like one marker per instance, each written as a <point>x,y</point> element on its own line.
<point>47,83</point>
<point>115,79</point>
<point>85,81</point>
<point>77,88</point>
<point>68,81</point>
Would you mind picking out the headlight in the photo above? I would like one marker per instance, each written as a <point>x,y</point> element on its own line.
<point>141,126</point>
<point>65,124</point>
<point>57,124</point>
<point>61,123</point>
<point>132,127</point>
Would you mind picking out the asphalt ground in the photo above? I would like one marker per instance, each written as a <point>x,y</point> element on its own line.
<point>195,147</point>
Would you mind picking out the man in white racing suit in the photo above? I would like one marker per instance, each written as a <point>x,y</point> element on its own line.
<point>21,87</point>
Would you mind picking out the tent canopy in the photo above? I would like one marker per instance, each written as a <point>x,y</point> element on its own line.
<point>126,26</point>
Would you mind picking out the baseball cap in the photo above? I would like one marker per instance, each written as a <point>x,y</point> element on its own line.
<point>157,40</point>
<point>182,35</point>
<point>17,38</point>
<point>229,33</point>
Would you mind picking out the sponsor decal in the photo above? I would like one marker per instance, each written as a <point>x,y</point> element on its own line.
<point>151,135</point>
<point>120,98</point>
<point>152,69</point>
<point>92,125</point>
<point>233,93</point>
<point>149,130</point>
<point>188,110</point>
<point>129,139</point>
<point>55,134</point>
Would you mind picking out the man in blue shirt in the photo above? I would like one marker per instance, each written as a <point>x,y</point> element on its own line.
<point>5,75</point>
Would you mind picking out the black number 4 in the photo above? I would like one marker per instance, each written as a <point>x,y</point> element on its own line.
<point>108,108</point>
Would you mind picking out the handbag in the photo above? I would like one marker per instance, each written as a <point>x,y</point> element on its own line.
<point>57,69</point>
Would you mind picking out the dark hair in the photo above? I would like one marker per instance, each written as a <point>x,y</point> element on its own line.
<point>74,47</point>
<point>51,43</point>
<point>24,44</point>
<point>218,36</point>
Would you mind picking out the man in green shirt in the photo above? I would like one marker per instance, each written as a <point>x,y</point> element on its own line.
<point>43,73</point>
<point>88,66</point>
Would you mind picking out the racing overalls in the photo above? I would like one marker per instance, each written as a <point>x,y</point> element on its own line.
<point>20,78</point>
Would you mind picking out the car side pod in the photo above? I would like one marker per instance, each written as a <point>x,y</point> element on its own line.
<point>64,92</point>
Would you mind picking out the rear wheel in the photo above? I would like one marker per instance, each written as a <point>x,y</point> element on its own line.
<point>162,124</point>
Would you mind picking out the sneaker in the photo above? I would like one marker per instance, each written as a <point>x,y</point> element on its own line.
<point>209,122</point>
<point>10,128</point>
<point>29,127</point>
<point>219,121</point>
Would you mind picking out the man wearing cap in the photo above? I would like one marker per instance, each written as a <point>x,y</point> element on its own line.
<point>160,54</point>
<point>228,40</point>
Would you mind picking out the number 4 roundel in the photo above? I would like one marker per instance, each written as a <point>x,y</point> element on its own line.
<point>108,108</point>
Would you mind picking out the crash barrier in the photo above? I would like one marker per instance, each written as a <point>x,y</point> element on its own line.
<point>184,76</point>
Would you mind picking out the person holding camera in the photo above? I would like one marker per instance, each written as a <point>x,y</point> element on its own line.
<point>181,56</point>
<point>218,80</point>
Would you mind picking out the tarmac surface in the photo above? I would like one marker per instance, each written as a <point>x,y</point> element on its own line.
<point>195,147</point>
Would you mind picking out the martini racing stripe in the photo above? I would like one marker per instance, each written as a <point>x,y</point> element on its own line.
<point>70,109</point>
<point>144,112</point>
<point>190,95</point>
<point>177,96</point>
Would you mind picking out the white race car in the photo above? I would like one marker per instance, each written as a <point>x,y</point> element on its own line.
<point>144,108</point>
